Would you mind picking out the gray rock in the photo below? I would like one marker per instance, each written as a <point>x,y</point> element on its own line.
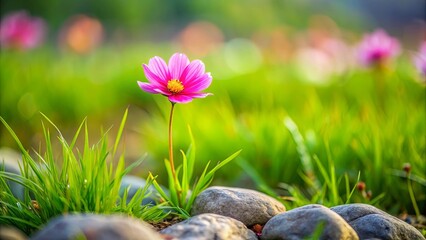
<point>9,162</point>
<point>305,222</point>
<point>210,226</point>
<point>248,206</point>
<point>135,184</point>
<point>371,222</point>
<point>96,227</point>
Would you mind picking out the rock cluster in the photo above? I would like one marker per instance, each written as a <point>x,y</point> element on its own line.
<point>222,213</point>
<point>370,222</point>
<point>229,213</point>
<point>350,221</point>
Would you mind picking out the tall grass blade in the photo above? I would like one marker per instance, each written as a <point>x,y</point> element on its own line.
<point>120,132</point>
<point>302,150</point>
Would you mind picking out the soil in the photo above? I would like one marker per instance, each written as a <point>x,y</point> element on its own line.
<point>158,226</point>
<point>417,222</point>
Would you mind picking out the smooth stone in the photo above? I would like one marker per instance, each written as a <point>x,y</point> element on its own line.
<point>11,233</point>
<point>248,206</point>
<point>135,184</point>
<point>9,161</point>
<point>210,226</point>
<point>302,223</point>
<point>96,227</point>
<point>370,222</point>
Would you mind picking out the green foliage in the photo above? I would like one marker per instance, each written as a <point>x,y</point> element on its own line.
<point>341,122</point>
<point>326,192</point>
<point>74,181</point>
<point>343,127</point>
<point>184,191</point>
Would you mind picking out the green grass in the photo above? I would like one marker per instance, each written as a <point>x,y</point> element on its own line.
<point>348,134</point>
<point>76,180</point>
<point>341,122</point>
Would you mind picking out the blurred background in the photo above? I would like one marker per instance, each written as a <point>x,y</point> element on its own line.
<point>162,20</point>
<point>269,60</point>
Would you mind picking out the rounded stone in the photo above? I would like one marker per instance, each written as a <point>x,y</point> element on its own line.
<point>133,184</point>
<point>210,226</point>
<point>248,206</point>
<point>306,222</point>
<point>9,162</point>
<point>11,233</point>
<point>94,227</point>
<point>370,222</point>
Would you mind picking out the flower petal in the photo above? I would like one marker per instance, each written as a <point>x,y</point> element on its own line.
<point>199,95</point>
<point>177,64</point>
<point>192,71</point>
<point>151,88</point>
<point>152,77</point>
<point>159,67</point>
<point>186,98</point>
<point>198,84</point>
<point>179,98</point>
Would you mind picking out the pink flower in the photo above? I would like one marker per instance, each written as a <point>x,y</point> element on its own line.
<point>82,34</point>
<point>377,47</point>
<point>420,59</point>
<point>21,31</point>
<point>180,81</point>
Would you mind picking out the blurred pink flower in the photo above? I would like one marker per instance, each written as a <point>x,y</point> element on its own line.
<point>377,47</point>
<point>180,81</point>
<point>82,34</point>
<point>21,31</point>
<point>201,38</point>
<point>420,59</point>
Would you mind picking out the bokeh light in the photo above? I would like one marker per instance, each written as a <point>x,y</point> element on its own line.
<point>81,34</point>
<point>201,38</point>
<point>20,31</point>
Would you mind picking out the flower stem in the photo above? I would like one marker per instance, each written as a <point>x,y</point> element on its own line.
<point>172,165</point>
<point>380,84</point>
<point>413,199</point>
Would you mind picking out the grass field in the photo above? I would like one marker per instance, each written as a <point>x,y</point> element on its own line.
<point>302,141</point>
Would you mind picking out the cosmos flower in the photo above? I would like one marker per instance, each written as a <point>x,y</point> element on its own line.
<point>20,31</point>
<point>420,59</point>
<point>180,80</point>
<point>376,48</point>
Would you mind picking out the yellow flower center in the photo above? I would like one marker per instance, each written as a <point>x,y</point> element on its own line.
<point>175,86</point>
